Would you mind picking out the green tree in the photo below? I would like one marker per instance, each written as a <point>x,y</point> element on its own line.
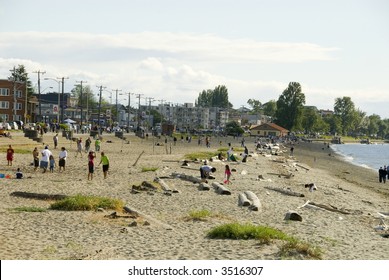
<point>309,120</point>
<point>344,108</point>
<point>270,108</point>
<point>233,128</point>
<point>214,98</point>
<point>255,104</point>
<point>373,125</point>
<point>334,123</point>
<point>290,106</point>
<point>20,75</point>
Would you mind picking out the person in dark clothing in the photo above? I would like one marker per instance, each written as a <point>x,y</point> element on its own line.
<point>382,175</point>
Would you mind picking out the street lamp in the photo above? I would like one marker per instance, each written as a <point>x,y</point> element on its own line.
<point>59,85</point>
<point>62,101</point>
<point>128,110</point>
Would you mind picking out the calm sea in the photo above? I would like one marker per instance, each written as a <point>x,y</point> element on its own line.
<point>370,156</point>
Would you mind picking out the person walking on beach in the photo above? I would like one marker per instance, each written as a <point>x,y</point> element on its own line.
<point>91,164</point>
<point>46,153</point>
<point>227,173</point>
<point>97,144</point>
<point>105,161</point>
<point>245,154</point>
<point>55,140</point>
<point>10,155</point>
<point>382,175</point>
<point>52,163</point>
<point>62,159</point>
<point>87,144</point>
<point>35,155</point>
<point>79,147</point>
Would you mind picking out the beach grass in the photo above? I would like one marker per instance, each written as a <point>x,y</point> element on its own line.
<point>87,203</point>
<point>149,169</point>
<point>199,215</point>
<point>292,248</point>
<point>201,155</point>
<point>29,209</point>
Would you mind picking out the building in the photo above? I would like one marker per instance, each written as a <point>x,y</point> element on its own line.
<point>268,129</point>
<point>13,101</point>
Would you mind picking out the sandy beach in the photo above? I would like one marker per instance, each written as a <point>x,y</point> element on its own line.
<point>347,234</point>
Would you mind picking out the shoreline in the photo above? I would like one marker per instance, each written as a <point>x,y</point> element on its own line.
<point>90,235</point>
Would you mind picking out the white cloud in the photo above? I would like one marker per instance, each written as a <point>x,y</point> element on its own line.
<point>170,66</point>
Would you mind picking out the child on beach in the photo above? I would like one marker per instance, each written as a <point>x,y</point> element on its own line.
<point>105,161</point>
<point>19,174</point>
<point>52,163</point>
<point>227,173</point>
<point>91,164</point>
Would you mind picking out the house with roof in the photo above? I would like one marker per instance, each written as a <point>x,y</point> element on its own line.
<point>268,129</point>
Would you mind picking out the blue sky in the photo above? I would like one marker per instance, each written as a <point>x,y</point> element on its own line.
<point>172,50</point>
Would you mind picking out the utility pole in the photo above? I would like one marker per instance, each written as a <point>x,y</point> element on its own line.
<point>139,115</point>
<point>39,91</point>
<point>150,99</point>
<point>98,118</point>
<point>82,101</point>
<point>117,109</point>
<point>62,97</point>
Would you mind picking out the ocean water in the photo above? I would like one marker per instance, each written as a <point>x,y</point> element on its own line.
<point>371,156</point>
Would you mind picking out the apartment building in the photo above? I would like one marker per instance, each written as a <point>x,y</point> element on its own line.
<point>13,101</point>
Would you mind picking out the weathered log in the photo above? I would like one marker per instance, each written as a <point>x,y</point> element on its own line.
<point>242,200</point>
<point>164,186</point>
<point>204,187</point>
<point>255,203</point>
<point>285,191</point>
<point>149,186</point>
<point>186,177</point>
<point>190,168</point>
<point>220,189</point>
<point>302,166</point>
<point>147,217</point>
<point>310,204</point>
<point>293,216</point>
<point>138,158</point>
<point>40,196</point>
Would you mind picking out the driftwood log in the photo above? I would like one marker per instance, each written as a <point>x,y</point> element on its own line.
<point>243,200</point>
<point>149,186</point>
<point>285,191</point>
<point>163,184</point>
<point>220,189</point>
<point>255,203</point>
<point>293,216</point>
<point>40,196</point>
<point>310,204</point>
<point>166,188</point>
<point>186,177</point>
<point>204,187</point>
<point>138,158</point>
<point>302,166</point>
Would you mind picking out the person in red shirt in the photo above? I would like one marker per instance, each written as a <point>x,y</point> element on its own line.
<point>10,155</point>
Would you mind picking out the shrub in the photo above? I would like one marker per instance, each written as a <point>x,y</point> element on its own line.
<point>247,231</point>
<point>149,169</point>
<point>86,203</point>
<point>199,215</point>
<point>29,209</point>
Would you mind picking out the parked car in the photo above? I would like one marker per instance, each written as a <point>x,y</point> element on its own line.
<point>5,125</point>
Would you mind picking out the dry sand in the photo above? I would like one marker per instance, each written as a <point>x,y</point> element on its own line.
<point>170,236</point>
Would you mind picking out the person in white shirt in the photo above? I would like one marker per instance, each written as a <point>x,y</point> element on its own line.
<point>205,171</point>
<point>46,153</point>
<point>62,159</point>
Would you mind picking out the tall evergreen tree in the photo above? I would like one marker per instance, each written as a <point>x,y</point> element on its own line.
<point>289,107</point>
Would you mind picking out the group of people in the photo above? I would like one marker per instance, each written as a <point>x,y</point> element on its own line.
<point>383,172</point>
<point>47,161</point>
